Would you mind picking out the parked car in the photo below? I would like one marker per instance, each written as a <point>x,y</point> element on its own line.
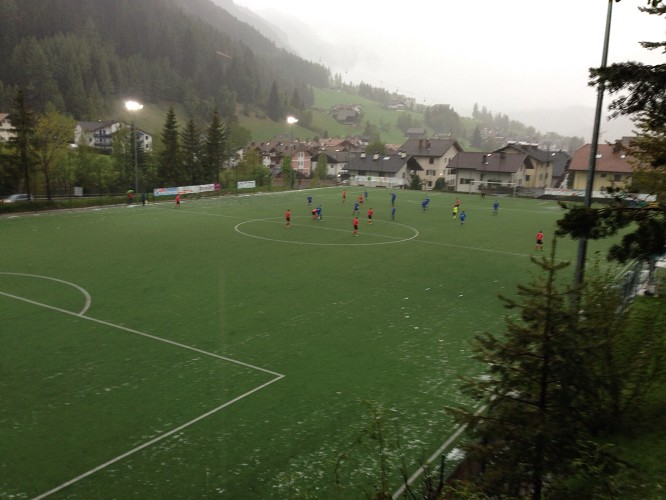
<point>15,198</point>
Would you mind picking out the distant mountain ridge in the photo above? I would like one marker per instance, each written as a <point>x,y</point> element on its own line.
<point>263,26</point>
<point>577,121</point>
<point>303,40</point>
<point>79,54</point>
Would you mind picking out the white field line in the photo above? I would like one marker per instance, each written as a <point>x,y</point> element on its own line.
<point>275,220</point>
<point>84,292</point>
<point>278,376</point>
<point>143,334</point>
<point>435,455</point>
<point>196,212</point>
<point>155,440</point>
<point>477,249</point>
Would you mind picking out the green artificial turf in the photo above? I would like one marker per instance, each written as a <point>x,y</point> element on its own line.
<point>273,346</point>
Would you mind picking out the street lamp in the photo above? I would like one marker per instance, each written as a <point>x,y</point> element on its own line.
<point>133,107</point>
<point>587,202</point>
<point>71,147</point>
<point>291,120</point>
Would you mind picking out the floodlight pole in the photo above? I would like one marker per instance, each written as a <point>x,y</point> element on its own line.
<point>291,120</point>
<point>133,107</point>
<point>594,146</point>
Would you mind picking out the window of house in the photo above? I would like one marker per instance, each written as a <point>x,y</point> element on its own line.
<point>430,172</point>
<point>361,172</point>
<point>431,160</point>
<point>429,183</point>
<point>527,178</point>
<point>603,176</point>
<point>617,177</point>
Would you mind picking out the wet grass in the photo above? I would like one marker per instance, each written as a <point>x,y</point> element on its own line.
<point>195,307</point>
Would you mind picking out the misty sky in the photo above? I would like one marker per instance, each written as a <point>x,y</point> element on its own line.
<point>508,55</point>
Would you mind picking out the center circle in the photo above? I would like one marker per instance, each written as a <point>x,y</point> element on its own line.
<point>334,230</point>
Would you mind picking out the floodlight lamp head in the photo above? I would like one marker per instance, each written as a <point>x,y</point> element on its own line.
<point>133,106</point>
<point>291,120</point>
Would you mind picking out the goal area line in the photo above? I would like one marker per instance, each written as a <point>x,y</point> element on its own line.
<point>276,376</point>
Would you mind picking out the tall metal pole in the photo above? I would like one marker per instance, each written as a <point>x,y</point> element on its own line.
<point>291,120</point>
<point>594,146</point>
<point>133,107</point>
<point>136,158</point>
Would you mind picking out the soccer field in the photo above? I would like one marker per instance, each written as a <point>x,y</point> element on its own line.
<point>209,350</point>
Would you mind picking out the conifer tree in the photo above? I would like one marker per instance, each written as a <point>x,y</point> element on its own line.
<point>641,91</point>
<point>170,169</point>
<point>191,147</point>
<point>23,123</point>
<point>274,107</point>
<point>215,147</point>
<point>535,391</point>
<point>624,350</point>
<point>477,142</point>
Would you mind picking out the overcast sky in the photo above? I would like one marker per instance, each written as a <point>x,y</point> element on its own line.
<point>508,55</point>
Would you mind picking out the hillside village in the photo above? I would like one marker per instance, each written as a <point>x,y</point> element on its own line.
<point>439,162</point>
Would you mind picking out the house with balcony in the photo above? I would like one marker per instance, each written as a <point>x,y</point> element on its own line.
<point>433,157</point>
<point>546,169</point>
<point>301,158</point>
<point>474,172</point>
<point>613,167</point>
<point>385,171</point>
<point>336,161</point>
<point>99,134</point>
<point>273,153</point>
<point>6,129</point>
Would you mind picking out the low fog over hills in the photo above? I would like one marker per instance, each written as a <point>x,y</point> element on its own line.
<point>311,43</point>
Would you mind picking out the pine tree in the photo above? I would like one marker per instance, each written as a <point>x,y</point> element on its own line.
<point>215,148</point>
<point>274,107</point>
<point>296,103</point>
<point>624,349</point>
<point>642,95</point>
<point>170,169</point>
<point>477,142</point>
<point>23,123</point>
<point>191,148</point>
<point>529,435</point>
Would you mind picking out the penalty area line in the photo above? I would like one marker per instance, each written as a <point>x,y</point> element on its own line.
<point>277,376</point>
<point>143,334</point>
<point>154,440</point>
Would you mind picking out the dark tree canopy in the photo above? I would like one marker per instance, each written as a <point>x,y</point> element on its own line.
<point>80,54</point>
<point>641,94</point>
<point>170,168</point>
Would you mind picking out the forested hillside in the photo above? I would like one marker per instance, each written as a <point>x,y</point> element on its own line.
<point>79,55</point>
